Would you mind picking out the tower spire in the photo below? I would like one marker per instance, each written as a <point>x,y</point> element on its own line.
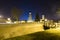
<point>30,17</point>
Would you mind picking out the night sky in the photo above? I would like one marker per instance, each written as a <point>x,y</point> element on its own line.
<point>43,7</point>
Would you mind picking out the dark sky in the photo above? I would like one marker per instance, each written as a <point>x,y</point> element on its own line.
<point>46,7</point>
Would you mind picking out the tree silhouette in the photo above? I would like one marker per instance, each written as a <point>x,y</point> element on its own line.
<point>37,18</point>
<point>15,13</point>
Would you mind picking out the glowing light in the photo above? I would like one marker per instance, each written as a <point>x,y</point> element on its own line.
<point>1,16</point>
<point>45,19</point>
<point>30,17</point>
<point>22,21</point>
<point>30,13</point>
<point>15,22</point>
<point>8,22</point>
<point>30,21</point>
<point>8,19</point>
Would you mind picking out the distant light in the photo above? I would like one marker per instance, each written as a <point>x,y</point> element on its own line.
<point>45,19</point>
<point>29,21</point>
<point>8,22</point>
<point>22,21</point>
<point>30,13</point>
<point>0,16</point>
<point>15,22</point>
<point>8,19</point>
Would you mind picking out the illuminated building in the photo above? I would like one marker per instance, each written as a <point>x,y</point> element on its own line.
<point>43,17</point>
<point>22,21</point>
<point>30,17</point>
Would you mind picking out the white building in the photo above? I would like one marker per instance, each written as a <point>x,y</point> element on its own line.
<point>30,17</point>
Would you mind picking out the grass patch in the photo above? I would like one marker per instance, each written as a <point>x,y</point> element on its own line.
<point>45,35</point>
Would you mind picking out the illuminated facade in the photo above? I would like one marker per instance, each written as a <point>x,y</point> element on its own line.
<point>30,17</point>
<point>43,17</point>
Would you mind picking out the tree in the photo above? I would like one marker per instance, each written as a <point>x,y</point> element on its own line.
<point>58,13</point>
<point>37,18</point>
<point>16,14</point>
<point>58,10</point>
